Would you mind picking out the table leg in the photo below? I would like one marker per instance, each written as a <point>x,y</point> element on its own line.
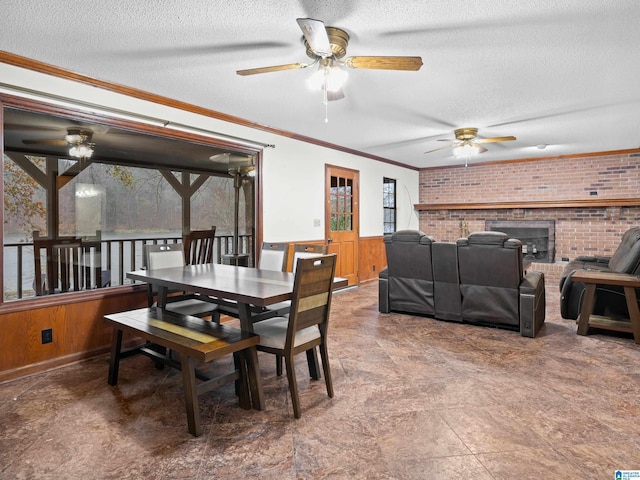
<point>242,384</point>
<point>191,395</point>
<point>634,312</point>
<point>587,308</point>
<point>114,361</point>
<point>251,355</point>
<point>162,297</point>
<point>244,313</point>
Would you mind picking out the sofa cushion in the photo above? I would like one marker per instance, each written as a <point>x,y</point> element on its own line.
<point>408,236</point>
<point>487,238</point>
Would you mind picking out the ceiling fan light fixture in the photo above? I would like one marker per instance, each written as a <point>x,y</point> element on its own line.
<point>331,78</point>
<point>466,150</point>
<point>81,150</point>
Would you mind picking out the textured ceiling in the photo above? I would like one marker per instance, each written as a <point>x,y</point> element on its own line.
<point>556,73</point>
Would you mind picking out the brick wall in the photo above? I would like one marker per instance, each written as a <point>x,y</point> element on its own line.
<point>579,231</point>
<point>611,176</point>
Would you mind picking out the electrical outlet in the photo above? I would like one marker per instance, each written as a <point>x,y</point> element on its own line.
<point>47,335</point>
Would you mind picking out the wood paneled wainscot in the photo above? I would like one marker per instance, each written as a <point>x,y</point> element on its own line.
<point>372,258</point>
<point>77,324</point>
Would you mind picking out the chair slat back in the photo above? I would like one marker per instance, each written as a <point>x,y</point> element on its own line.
<point>307,251</point>
<point>273,256</point>
<point>62,264</point>
<point>312,292</point>
<point>164,256</point>
<point>198,246</point>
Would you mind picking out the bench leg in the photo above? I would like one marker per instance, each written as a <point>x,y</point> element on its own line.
<point>114,361</point>
<point>191,395</point>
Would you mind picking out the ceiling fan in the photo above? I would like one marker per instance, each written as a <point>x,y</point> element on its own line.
<point>78,139</point>
<point>467,142</point>
<point>327,46</point>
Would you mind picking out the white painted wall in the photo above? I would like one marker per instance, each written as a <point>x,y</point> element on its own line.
<point>293,171</point>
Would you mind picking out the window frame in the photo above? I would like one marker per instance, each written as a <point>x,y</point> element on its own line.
<point>387,208</point>
<point>70,112</point>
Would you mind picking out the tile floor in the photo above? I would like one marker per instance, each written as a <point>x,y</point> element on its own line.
<point>415,398</point>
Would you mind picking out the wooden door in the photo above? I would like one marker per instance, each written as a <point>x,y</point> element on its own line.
<point>342,222</point>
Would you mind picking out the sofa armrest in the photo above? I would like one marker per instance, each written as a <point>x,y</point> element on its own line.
<point>383,291</point>
<point>593,259</point>
<point>532,303</point>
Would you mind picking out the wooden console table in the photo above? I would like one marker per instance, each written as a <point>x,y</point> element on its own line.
<point>629,283</point>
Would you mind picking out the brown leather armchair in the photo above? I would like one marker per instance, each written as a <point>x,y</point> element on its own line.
<point>610,299</point>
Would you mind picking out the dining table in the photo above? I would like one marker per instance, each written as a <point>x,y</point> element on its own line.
<point>242,285</point>
<point>247,287</point>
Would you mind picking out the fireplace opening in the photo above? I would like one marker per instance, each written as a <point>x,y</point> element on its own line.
<point>537,237</point>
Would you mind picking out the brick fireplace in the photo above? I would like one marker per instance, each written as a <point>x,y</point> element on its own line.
<point>538,237</point>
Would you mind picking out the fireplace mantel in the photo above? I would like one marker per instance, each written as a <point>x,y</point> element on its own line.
<point>596,202</point>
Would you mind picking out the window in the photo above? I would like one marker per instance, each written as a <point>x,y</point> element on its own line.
<point>136,188</point>
<point>389,204</point>
<point>341,204</point>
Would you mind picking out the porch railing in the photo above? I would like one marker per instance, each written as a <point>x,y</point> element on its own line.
<point>119,256</point>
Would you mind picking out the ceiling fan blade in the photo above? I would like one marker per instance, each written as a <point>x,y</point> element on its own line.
<point>61,143</point>
<point>385,63</point>
<point>445,140</point>
<point>441,148</point>
<point>274,68</point>
<point>494,140</point>
<point>315,33</point>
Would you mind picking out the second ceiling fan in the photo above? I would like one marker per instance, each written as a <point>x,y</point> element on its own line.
<point>467,142</point>
<point>327,46</point>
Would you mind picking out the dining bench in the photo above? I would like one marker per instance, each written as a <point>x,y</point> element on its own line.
<point>194,340</point>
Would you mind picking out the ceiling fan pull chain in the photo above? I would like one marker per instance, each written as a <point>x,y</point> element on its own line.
<point>325,100</point>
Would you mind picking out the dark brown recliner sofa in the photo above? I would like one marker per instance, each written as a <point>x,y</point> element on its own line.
<point>479,279</point>
<point>610,300</point>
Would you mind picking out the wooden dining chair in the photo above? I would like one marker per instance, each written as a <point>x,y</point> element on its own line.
<point>307,251</point>
<point>306,325</point>
<point>198,246</point>
<point>274,256</point>
<point>299,251</point>
<point>283,308</point>
<point>62,264</point>
<point>171,255</point>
